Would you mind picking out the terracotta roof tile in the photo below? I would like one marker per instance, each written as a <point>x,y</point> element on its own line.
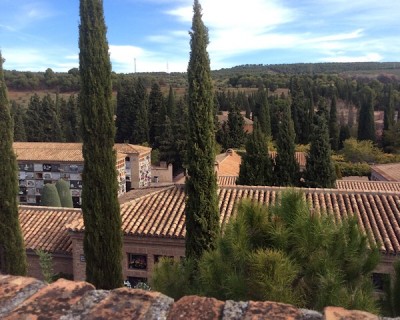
<point>390,171</point>
<point>368,185</point>
<point>161,214</point>
<point>45,228</point>
<point>59,151</point>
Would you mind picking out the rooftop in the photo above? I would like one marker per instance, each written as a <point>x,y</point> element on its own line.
<point>28,298</point>
<point>161,213</point>
<point>66,152</point>
<point>390,171</point>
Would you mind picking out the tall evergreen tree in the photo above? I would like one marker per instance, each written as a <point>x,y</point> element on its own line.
<point>171,103</point>
<point>140,123</point>
<point>33,123</point>
<point>333,125</point>
<point>256,166</point>
<point>166,142</point>
<point>202,214</point>
<point>388,120</point>
<point>157,114</point>
<point>366,122</point>
<point>50,196</point>
<point>125,111</point>
<point>262,112</point>
<point>320,171</point>
<point>49,118</point>
<point>12,251</point>
<point>18,116</point>
<point>299,112</point>
<point>103,237</point>
<point>286,169</point>
<point>180,129</point>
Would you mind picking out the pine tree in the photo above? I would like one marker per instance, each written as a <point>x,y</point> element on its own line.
<point>320,171</point>
<point>12,251</point>
<point>366,122</point>
<point>286,169</point>
<point>333,125</point>
<point>103,237</point>
<point>50,197</point>
<point>202,214</point>
<point>256,166</point>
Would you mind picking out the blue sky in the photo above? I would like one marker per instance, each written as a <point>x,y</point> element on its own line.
<point>40,34</point>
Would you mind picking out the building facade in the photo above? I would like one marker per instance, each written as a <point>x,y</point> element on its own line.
<point>40,163</point>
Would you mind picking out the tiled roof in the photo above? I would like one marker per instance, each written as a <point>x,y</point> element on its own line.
<point>368,185</point>
<point>53,151</point>
<point>228,163</point>
<point>390,171</point>
<point>161,214</point>
<point>131,148</point>
<point>299,155</point>
<point>227,180</point>
<point>29,298</point>
<point>44,228</point>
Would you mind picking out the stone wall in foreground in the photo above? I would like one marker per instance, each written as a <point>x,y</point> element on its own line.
<point>29,298</point>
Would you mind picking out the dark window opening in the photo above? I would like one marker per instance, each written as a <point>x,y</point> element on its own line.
<point>137,261</point>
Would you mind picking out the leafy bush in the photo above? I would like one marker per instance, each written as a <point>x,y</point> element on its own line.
<point>347,169</point>
<point>360,151</point>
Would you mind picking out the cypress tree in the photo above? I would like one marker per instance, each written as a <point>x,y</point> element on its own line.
<point>140,122</point>
<point>202,214</point>
<point>262,113</point>
<point>33,123</point>
<point>286,170</point>
<point>366,122</point>
<point>166,142</point>
<point>49,120</point>
<point>157,112</point>
<point>235,125</point>
<point>256,166</point>
<point>299,112</point>
<point>125,111</point>
<point>18,115</point>
<point>12,251</point>
<point>388,120</point>
<point>50,197</point>
<point>103,237</point>
<point>64,192</point>
<point>333,125</point>
<point>320,171</point>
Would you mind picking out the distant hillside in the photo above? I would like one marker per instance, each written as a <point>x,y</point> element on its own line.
<point>244,76</point>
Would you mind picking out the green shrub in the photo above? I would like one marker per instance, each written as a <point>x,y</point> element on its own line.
<point>347,169</point>
<point>64,193</point>
<point>50,197</point>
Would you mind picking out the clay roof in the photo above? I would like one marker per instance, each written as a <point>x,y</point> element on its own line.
<point>53,151</point>
<point>390,171</point>
<point>227,180</point>
<point>44,228</point>
<point>161,213</point>
<point>29,298</point>
<point>368,185</point>
<point>299,155</point>
<point>131,148</point>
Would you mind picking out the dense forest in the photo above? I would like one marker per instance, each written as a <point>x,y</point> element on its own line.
<point>151,108</point>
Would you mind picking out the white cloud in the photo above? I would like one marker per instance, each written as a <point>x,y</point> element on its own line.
<point>368,57</point>
<point>123,60</point>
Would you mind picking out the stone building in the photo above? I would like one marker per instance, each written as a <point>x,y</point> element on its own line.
<point>47,162</point>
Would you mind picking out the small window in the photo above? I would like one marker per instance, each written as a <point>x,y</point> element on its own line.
<point>380,280</point>
<point>137,261</point>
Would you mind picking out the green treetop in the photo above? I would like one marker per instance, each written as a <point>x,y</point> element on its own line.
<point>100,207</point>
<point>202,214</point>
<point>12,251</point>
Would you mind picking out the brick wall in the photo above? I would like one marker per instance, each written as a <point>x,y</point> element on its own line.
<point>61,263</point>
